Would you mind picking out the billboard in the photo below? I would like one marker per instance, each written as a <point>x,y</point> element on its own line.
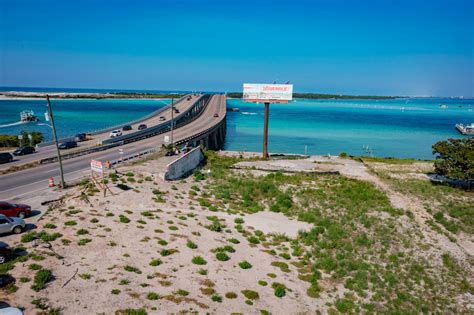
<point>273,93</point>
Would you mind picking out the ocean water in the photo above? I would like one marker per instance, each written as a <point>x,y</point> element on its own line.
<point>74,116</point>
<point>405,128</point>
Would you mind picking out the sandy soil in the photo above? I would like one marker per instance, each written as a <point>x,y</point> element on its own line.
<point>99,265</point>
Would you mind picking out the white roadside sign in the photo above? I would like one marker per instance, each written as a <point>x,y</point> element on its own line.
<point>267,92</point>
<point>97,166</point>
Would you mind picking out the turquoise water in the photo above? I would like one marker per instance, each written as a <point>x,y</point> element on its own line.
<point>74,116</point>
<point>397,128</point>
<point>403,128</point>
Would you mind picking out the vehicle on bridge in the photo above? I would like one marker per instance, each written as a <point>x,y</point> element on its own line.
<point>142,126</point>
<point>5,157</point>
<point>127,128</point>
<point>67,145</point>
<point>24,150</point>
<point>11,225</point>
<point>216,115</point>
<point>14,210</point>
<point>115,133</point>
<point>162,118</point>
<point>176,111</point>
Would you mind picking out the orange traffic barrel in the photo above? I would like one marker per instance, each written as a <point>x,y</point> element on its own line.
<point>51,182</point>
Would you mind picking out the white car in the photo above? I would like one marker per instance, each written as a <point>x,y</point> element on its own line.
<point>11,225</point>
<point>115,133</point>
<point>162,118</point>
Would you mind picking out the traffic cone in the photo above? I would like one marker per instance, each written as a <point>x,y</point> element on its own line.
<point>51,182</point>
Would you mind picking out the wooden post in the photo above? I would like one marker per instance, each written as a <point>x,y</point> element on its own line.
<point>61,171</point>
<point>265,131</point>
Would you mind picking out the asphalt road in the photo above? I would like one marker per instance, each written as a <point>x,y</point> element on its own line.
<point>16,185</point>
<point>50,151</point>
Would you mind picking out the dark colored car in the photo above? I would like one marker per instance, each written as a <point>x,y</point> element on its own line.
<point>5,252</point>
<point>24,150</point>
<point>176,111</point>
<point>127,127</point>
<point>67,145</point>
<point>142,126</point>
<point>80,137</point>
<point>5,157</point>
<point>14,210</point>
<point>216,115</point>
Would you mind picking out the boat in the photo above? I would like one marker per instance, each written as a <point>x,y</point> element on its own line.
<point>443,106</point>
<point>234,109</point>
<point>27,116</point>
<point>465,129</point>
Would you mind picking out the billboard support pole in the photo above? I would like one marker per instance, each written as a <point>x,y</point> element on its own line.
<point>265,131</point>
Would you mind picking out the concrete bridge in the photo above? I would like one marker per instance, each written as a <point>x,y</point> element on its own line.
<point>205,125</point>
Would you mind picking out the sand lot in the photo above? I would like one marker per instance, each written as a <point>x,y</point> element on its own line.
<point>103,261</point>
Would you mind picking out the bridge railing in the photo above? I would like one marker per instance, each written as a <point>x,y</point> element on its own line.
<point>161,128</point>
<point>109,129</point>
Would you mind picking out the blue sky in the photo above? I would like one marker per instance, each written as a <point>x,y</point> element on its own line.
<point>390,47</point>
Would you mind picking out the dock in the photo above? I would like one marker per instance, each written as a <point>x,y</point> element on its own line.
<point>465,129</point>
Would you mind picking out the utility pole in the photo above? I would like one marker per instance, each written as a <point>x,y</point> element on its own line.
<point>50,113</point>
<point>172,120</point>
<point>265,131</point>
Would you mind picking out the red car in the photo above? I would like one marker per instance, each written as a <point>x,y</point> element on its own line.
<point>216,115</point>
<point>14,210</point>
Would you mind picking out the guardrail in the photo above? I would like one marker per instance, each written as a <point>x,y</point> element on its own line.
<point>79,153</point>
<point>152,114</point>
<point>161,128</point>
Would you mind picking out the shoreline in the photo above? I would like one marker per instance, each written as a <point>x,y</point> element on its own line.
<point>86,96</point>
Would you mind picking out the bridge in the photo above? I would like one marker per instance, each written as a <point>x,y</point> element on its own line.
<point>202,121</point>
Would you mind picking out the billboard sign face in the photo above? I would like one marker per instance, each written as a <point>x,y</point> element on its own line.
<point>272,93</point>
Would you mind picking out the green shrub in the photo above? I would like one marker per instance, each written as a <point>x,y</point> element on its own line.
<point>251,295</point>
<point>221,256</point>
<point>245,265</point>
<point>124,219</point>
<point>82,232</point>
<point>216,298</point>
<point>152,296</point>
<point>132,269</point>
<point>115,291</point>
<point>191,244</point>
<point>155,262</point>
<point>42,277</point>
<point>84,241</point>
<point>198,260</point>
<point>182,292</point>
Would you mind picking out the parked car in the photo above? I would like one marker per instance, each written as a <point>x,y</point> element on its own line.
<point>67,145</point>
<point>127,127</point>
<point>11,225</point>
<point>5,252</point>
<point>142,126</point>
<point>5,157</point>
<point>24,150</point>
<point>162,118</point>
<point>115,133</point>
<point>80,137</point>
<point>14,210</point>
<point>216,115</point>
